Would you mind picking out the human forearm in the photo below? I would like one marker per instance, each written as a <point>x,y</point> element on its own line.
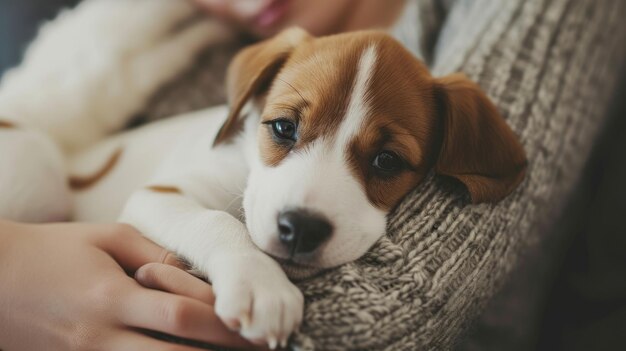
<point>6,238</point>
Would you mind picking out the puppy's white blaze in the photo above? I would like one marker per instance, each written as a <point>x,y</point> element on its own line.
<point>357,108</point>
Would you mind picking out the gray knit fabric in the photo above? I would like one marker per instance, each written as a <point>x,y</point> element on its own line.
<point>550,66</point>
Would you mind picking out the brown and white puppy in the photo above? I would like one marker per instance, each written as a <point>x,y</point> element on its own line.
<point>322,138</point>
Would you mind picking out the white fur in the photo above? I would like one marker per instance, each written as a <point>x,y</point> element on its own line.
<point>318,180</point>
<point>357,109</point>
<point>144,152</point>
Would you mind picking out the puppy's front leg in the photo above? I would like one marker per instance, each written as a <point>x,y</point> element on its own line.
<point>252,291</point>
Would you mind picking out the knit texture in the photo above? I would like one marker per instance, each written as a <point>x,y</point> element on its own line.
<point>550,67</point>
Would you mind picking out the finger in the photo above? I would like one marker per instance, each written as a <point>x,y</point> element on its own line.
<point>131,341</point>
<point>131,250</point>
<point>176,315</point>
<point>173,280</point>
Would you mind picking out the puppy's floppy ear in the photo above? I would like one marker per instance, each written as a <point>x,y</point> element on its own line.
<point>478,147</point>
<point>252,71</point>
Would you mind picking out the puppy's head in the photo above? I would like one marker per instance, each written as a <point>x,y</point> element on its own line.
<point>346,126</point>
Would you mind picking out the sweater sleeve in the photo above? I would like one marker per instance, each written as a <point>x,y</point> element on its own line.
<point>551,68</point>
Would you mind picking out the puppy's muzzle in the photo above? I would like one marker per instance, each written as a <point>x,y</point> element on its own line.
<point>302,232</point>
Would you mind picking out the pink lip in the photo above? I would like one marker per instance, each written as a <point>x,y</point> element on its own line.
<point>272,13</point>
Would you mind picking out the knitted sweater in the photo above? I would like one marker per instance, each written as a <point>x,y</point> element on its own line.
<point>550,67</point>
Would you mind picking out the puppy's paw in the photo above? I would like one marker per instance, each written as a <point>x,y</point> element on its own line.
<point>254,296</point>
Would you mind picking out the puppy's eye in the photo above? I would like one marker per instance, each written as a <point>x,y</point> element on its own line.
<point>284,129</point>
<point>387,162</point>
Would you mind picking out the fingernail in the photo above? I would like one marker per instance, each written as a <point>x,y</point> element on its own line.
<point>283,343</point>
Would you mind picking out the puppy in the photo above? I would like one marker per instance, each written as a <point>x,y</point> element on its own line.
<point>321,138</point>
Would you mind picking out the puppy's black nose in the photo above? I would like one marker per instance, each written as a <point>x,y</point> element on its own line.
<point>302,231</point>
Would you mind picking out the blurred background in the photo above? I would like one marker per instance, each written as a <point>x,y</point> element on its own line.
<point>19,21</point>
<point>581,301</point>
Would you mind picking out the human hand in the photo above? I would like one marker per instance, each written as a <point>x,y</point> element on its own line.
<point>65,287</point>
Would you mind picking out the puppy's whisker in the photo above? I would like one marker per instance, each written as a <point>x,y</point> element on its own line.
<point>235,199</point>
<point>304,102</point>
<point>239,192</point>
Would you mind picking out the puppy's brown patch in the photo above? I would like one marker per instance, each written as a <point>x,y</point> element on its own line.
<point>401,119</point>
<point>79,183</point>
<point>164,189</point>
<point>6,124</point>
